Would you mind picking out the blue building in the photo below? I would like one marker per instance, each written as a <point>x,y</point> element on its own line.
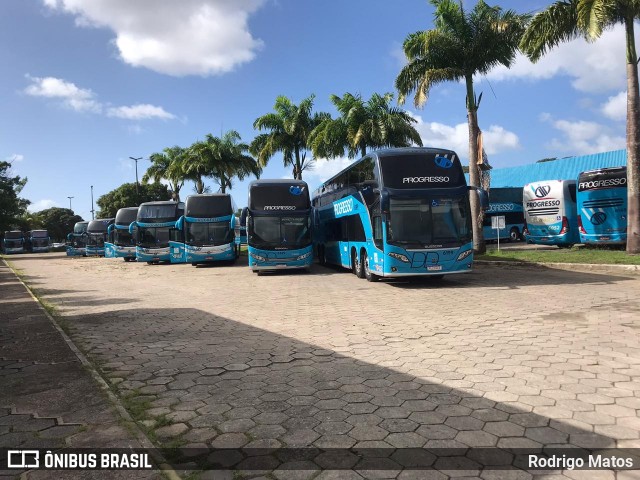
<point>561,169</point>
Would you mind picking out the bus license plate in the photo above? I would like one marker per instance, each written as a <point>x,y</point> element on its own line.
<point>435,268</point>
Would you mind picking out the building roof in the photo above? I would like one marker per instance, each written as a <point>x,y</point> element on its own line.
<point>561,169</point>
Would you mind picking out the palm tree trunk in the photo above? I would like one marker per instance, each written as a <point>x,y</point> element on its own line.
<point>199,185</point>
<point>297,169</point>
<point>633,143</point>
<point>479,245</point>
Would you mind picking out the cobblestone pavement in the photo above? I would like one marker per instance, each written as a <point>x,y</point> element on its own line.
<point>501,357</point>
<point>47,399</point>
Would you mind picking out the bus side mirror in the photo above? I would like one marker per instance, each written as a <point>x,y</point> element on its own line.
<point>132,226</point>
<point>243,217</point>
<point>110,229</point>
<point>180,223</point>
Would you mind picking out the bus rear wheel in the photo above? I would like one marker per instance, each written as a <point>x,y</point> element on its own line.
<point>358,265</point>
<point>371,277</point>
<point>514,234</point>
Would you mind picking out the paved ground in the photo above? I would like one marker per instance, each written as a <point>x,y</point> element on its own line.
<point>219,357</point>
<point>47,398</point>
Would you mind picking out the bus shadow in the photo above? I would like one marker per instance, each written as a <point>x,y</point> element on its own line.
<point>227,384</point>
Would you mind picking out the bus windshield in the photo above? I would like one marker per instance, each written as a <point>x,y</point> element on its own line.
<point>288,232</point>
<point>426,222</point>
<point>95,239</point>
<point>123,238</point>
<point>154,237</point>
<point>208,234</point>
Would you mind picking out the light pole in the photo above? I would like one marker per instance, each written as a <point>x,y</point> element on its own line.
<point>92,217</point>
<point>137,194</point>
<point>70,203</point>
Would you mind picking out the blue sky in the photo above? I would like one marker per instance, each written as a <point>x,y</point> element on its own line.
<point>88,83</point>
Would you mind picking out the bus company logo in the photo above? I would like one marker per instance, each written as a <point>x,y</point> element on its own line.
<point>23,459</point>
<point>500,207</point>
<point>279,207</point>
<point>296,190</point>
<point>443,162</point>
<point>598,218</point>
<point>425,180</point>
<point>542,191</point>
<point>608,182</point>
<point>341,208</point>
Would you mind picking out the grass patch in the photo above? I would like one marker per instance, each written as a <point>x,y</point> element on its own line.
<point>600,256</point>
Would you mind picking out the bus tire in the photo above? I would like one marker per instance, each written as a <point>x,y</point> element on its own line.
<point>358,266</point>
<point>149,263</point>
<point>371,277</point>
<point>514,234</point>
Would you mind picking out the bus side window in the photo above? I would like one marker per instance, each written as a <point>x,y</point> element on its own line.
<point>377,231</point>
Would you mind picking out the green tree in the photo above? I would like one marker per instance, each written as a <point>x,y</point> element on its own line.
<point>167,165</point>
<point>463,44</point>
<point>58,222</point>
<point>125,196</point>
<point>11,205</point>
<point>569,19</point>
<point>363,125</point>
<point>288,127</point>
<point>221,159</point>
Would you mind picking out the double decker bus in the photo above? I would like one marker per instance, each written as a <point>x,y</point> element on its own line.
<point>13,242</point>
<point>37,241</point>
<point>278,221</point>
<point>97,236</point>
<point>208,230</point>
<point>505,202</point>
<point>551,216</point>
<point>154,227</point>
<point>77,240</point>
<point>120,243</point>
<point>395,213</point>
<point>602,206</point>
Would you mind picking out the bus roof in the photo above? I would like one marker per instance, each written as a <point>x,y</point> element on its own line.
<point>277,181</point>
<point>126,215</point>
<point>99,224</point>
<point>207,205</point>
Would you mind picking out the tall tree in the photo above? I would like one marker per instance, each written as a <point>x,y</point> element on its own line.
<point>463,44</point>
<point>288,127</point>
<point>11,205</point>
<point>363,125</point>
<point>125,196</point>
<point>569,19</point>
<point>167,165</point>
<point>58,222</point>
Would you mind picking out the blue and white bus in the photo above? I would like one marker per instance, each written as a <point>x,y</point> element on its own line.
<point>120,243</point>
<point>37,241</point>
<point>208,229</point>
<point>77,240</point>
<point>505,202</point>
<point>602,206</point>
<point>278,221</point>
<point>13,242</point>
<point>396,213</point>
<point>97,236</point>
<point>155,226</point>
<point>551,216</point>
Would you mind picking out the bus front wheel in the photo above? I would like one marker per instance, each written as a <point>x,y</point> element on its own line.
<point>371,277</point>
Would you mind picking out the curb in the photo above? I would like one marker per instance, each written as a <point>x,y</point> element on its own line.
<point>164,466</point>
<point>591,267</point>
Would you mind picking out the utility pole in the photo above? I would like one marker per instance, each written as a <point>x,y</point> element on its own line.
<point>92,217</point>
<point>137,193</point>
<point>70,203</point>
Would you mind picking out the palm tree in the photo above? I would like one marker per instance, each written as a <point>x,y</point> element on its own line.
<point>168,166</point>
<point>289,128</point>
<point>221,159</point>
<point>569,19</point>
<point>362,125</point>
<point>462,45</point>
<point>195,166</point>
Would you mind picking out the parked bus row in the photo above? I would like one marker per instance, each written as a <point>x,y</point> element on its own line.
<point>34,241</point>
<point>393,213</point>
<point>591,210</point>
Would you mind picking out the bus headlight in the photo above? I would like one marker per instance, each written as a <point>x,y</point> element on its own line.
<point>258,257</point>
<point>303,256</point>
<point>399,256</point>
<point>465,254</point>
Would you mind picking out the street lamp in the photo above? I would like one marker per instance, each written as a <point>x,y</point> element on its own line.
<point>70,203</point>
<point>92,217</point>
<point>136,160</point>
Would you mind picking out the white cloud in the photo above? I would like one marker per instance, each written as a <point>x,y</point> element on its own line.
<point>456,138</point>
<point>139,112</point>
<point>78,99</point>
<point>16,157</point>
<point>42,205</point>
<point>582,137</point>
<point>594,67</point>
<point>616,107</point>
<point>186,37</point>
